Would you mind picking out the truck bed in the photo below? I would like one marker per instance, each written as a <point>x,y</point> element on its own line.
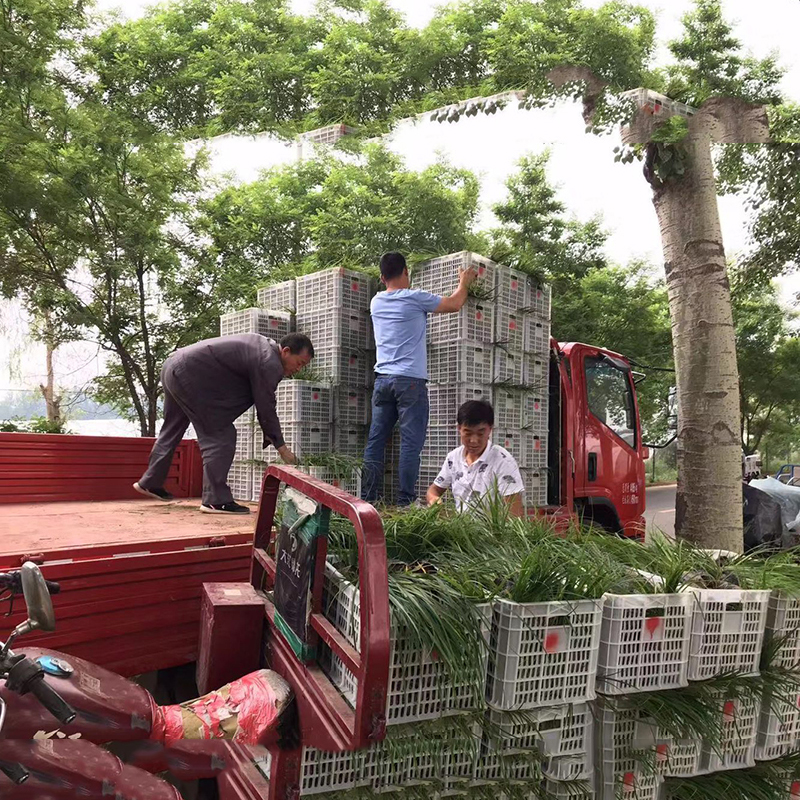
<point>48,527</point>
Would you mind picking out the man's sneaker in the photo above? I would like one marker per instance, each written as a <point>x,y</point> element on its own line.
<point>224,508</point>
<point>157,494</point>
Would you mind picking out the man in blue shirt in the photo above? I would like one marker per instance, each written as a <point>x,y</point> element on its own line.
<point>400,321</point>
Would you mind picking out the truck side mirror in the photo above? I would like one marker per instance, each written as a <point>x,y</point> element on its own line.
<point>645,453</point>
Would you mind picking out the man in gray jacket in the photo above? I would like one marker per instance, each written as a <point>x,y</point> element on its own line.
<point>210,384</point>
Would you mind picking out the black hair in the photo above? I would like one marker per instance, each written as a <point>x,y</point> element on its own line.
<point>475,412</point>
<point>297,343</point>
<point>392,265</point>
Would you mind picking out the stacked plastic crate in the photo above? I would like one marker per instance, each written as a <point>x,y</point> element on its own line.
<point>496,348</point>
<point>520,375</point>
<point>459,352</point>
<point>333,309</point>
<point>274,324</point>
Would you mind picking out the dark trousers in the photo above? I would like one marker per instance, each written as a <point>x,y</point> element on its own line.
<point>217,447</point>
<point>396,398</point>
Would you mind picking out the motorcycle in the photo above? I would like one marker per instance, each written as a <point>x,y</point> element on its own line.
<point>46,694</point>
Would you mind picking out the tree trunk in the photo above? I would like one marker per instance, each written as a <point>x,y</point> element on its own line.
<point>709,496</point>
<point>48,389</point>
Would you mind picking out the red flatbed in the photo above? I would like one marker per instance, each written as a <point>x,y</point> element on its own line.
<point>38,527</point>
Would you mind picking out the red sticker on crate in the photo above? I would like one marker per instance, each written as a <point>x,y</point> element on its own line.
<point>653,625</point>
<point>315,395</point>
<point>536,405</point>
<point>512,324</point>
<point>478,315</point>
<point>352,399</point>
<point>539,294</point>
<point>354,286</point>
<point>629,782</point>
<point>662,752</point>
<point>795,790</point>
<point>538,444</point>
<point>555,641</point>
<point>273,323</point>
<point>514,284</point>
<point>352,360</point>
<point>481,270</point>
<point>729,711</point>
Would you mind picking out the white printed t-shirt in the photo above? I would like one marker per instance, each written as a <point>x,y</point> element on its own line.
<point>470,482</point>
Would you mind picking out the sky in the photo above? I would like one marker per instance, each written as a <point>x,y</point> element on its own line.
<point>581,166</point>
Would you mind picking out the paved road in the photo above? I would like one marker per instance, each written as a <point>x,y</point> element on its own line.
<point>660,511</point>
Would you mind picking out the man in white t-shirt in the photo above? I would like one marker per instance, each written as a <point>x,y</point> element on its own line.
<point>478,468</point>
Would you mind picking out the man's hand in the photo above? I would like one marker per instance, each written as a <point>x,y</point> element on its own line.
<point>287,456</point>
<point>466,276</point>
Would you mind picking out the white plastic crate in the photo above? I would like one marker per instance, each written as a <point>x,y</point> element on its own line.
<point>460,362</point>
<point>349,440</point>
<point>535,373</point>
<point>514,440</point>
<point>273,324</point>
<point>281,296</point>
<point>542,654</point>
<point>740,730</point>
<point>445,400</point>
<point>351,405</point>
<point>240,475</point>
<point>302,438</point>
<point>342,365</point>
<point>535,487</point>
<point>644,644</point>
<point>419,686</point>
<point>552,732</point>
<point>508,407</point>
<point>333,289</point>
<point>337,327</point>
<point>535,412</point>
<point>440,440</point>
<point>512,288</point>
<point>626,754</point>
<point>537,335</point>
<point>534,451</point>
<point>328,772</point>
<point>427,475</point>
<point>508,366</point>
<point>567,790</point>
<point>509,329</point>
<point>727,632</point>
<point>538,299</point>
<point>440,275</point>
<point>492,767</point>
<point>348,480</point>
<point>304,401</point>
<point>778,728</point>
<point>473,323</point>
<point>680,758</point>
<point>783,630</point>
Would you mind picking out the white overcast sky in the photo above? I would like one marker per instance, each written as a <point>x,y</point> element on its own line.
<point>582,166</point>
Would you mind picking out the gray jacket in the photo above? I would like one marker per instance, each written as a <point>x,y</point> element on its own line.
<point>221,378</point>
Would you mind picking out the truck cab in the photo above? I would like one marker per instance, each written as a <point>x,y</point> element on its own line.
<point>595,451</point>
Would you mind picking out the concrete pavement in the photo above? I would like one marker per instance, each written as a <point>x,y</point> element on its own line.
<point>660,512</point>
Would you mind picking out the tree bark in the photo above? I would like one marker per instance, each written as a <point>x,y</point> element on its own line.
<point>48,389</point>
<point>709,496</point>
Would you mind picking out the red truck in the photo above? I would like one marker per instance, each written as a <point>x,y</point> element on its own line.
<point>595,451</point>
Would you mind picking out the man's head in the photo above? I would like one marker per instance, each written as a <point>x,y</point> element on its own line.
<point>296,352</point>
<point>475,422</point>
<point>394,272</point>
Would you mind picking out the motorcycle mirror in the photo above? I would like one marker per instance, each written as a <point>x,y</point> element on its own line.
<point>37,598</point>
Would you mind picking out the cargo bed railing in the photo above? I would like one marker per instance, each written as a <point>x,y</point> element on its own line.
<point>326,721</point>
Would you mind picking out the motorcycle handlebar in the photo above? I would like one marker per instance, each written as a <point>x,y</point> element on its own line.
<point>52,701</point>
<point>13,581</point>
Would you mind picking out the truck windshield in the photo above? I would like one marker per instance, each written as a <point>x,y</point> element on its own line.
<point>610,397</point>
